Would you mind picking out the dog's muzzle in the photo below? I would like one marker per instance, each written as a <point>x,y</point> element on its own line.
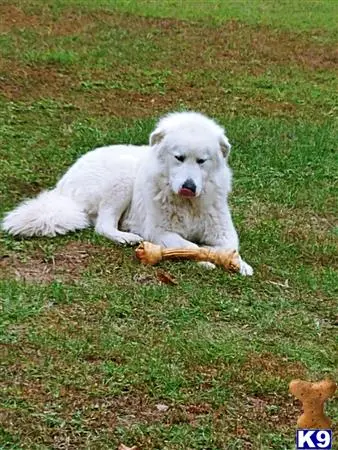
<point>188,189</point>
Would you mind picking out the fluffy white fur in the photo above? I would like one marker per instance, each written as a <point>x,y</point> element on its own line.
<point>133,193</point>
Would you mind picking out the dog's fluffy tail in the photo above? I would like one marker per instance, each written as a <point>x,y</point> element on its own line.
<point>48,214</point>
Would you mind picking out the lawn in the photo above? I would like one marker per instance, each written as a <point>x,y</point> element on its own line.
<point>96,350</point>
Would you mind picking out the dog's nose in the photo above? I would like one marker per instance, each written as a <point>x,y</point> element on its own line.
<point>189,184</point>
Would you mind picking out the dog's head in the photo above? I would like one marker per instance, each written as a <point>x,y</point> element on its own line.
<point>190,148</point>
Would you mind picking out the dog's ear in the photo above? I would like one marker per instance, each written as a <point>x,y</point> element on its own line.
<point>156,137</point>
<point>225,146</point>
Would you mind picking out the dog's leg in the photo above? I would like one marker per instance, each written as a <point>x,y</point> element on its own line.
<point>226,238</point>
<point>107,221</point>
<point>174,240</point>
<point>169,239</point>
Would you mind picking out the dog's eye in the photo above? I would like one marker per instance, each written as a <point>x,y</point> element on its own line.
<point>180,158</point>
<point>200,161</point>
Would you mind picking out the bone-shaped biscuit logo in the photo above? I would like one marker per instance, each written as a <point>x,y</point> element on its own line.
<point>313,397</point>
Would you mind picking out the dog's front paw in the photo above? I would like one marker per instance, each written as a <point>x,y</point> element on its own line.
<point>126,238</point>
<point>207,265</point>
<point>245,269</point>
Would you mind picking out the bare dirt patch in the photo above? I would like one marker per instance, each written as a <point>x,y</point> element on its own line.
<point>12,16</point>
<point>100,412</point>
<point>182,49</point>
<point>30,83</point>
<point>96,414</point>
<point>236,46</point>
<point>276,410</point>
<point>66,265</point>
<point>129,104</point>
<point>70,262</point>
<point>25,82</point>
<point>273,365</point>
<point>191,44</point>
<point>35,82</point>
<point>71,22</point>
<point>232,42</point>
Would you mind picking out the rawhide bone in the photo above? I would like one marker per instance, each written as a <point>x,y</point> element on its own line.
<point>152,254</point>
<point>313,397</point>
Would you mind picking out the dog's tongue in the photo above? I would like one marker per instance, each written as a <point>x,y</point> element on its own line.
<point>184,192</point>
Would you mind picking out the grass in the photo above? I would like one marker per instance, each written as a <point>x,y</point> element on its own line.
<point>91,342</point>
<point>309,16</point>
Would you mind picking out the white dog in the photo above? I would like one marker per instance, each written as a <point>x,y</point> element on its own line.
<point>173,192</point>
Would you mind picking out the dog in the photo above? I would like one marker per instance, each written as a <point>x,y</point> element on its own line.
<point>173,192</point>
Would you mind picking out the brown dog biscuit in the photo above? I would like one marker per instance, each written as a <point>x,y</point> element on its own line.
<point>313,397</point>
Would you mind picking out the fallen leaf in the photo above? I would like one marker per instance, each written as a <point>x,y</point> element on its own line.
<point>165,277</point>
<point>124,447</point>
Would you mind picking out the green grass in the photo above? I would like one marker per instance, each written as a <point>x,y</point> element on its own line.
<point>287,14</point>
<point>303,16</point>
<point>91,342</point>
<point>60,57</point>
